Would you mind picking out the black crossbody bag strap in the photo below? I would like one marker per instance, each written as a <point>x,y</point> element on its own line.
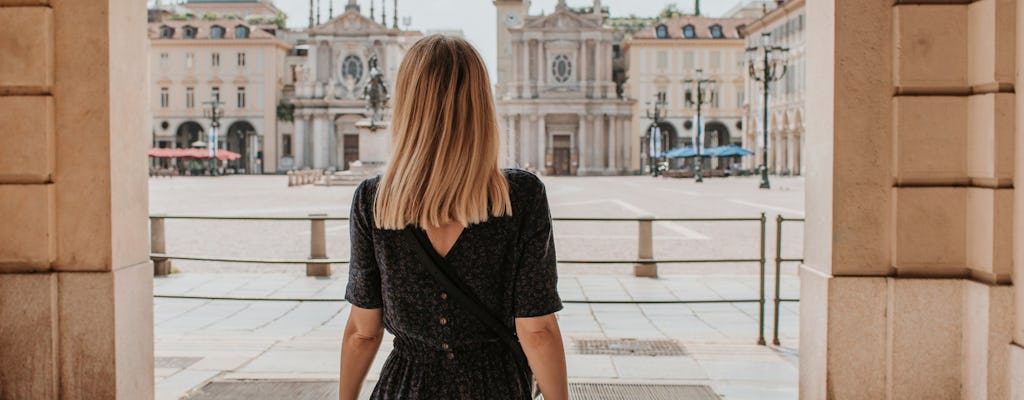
<point>440,270</point>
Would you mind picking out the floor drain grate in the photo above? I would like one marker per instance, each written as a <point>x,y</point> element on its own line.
<point>629,347</point>
<point>260,390</point>
<point>175,362</point>
<point>328,390</point>
<point>603,391</point>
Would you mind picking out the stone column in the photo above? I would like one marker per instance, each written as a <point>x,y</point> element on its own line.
<point>791,149</point>
<point>503,142</point>
<point>299,141</point>
<point>601,64</point>
<point>525,136</point>
<point>332,139</point>
<point>541,140</point>
<point>907,245</point>
<point>524,90</point>
<point>320,145</point>
<point>76,281</point>
<point>585,142</point>
<point>542,66</point>
<point>583,64</point>
<point>613,142</point>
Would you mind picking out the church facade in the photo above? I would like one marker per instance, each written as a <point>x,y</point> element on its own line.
<point>328,75</point>
<point>557,102</point>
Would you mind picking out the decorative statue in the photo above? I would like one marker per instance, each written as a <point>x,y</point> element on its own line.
<point>330,91</point>
<point>375,93</point>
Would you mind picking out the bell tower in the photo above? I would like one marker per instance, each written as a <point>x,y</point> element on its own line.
<point>510,14</point>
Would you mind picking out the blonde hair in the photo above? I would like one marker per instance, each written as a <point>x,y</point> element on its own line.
<point>445,146</point>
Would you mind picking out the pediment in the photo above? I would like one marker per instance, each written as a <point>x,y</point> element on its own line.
<point>349,22</point>
<point>562,20</point>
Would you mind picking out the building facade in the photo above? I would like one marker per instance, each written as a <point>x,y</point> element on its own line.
<point>662,57</point>
<point>556,98</point>
<point>195,61</point>
<point>786,25</point>
<point>327,77</point>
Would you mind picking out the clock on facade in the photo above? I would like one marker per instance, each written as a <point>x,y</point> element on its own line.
<point>512,19</point>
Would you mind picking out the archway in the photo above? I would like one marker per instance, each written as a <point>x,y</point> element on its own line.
<point>669,140</point>
<point>241,139</point>
<point>188,132</point>
<point>716,134</point>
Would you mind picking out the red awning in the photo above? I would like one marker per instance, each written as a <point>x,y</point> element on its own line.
<point>223,155</point>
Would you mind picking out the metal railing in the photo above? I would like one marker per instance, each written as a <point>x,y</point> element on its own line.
<point>778,299</point>
<point>644,265</point>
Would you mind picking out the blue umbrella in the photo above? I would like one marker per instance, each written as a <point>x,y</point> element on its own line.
<point>729,151</point>
<point>680,152</point>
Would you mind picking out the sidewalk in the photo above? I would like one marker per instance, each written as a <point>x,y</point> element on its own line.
<point>201,341</point>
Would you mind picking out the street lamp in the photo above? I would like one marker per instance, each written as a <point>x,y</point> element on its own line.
<point>701,97</point>
<point>773,59</point>
<point>658,115</point>
<point>214,113</point>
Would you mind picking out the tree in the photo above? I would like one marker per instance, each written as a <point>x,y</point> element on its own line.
<point>670,11</point>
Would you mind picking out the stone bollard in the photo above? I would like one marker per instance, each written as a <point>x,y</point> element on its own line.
<point>157,244</point>
<point>290,180</point>
<point>645,249</point>
<point>318,246</point>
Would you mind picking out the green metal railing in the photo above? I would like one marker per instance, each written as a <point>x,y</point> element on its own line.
<point>645,265</point>
<point>778,299</point>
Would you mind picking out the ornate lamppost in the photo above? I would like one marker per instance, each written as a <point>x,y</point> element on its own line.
<point>773,57</point>
<point>698,144</point>
<point>657,113</point>
<point>214,113</point>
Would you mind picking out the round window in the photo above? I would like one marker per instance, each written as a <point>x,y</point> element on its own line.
<point>352,68</point>
<point>561,69</point>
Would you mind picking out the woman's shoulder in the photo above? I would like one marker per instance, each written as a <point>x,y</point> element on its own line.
<point>523,178</point>
<point>524,184</point>
<point>367,189</point>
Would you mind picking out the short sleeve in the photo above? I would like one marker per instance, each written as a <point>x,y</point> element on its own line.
<point>364,286</point>
<point>536,286</point>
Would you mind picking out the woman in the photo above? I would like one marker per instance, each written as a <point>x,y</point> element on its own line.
<point>491,226</point>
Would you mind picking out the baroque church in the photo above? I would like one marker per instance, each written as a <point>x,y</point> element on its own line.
<point>329,74</point>
<point>558,105</point>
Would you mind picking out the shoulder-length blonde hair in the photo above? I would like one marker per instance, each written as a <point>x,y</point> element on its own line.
<point>445,146</point>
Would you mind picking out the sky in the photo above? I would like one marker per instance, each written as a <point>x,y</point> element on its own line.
<point>476,18</point>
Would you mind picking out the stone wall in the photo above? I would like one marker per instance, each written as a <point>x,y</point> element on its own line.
<point>75,276</point>
<point>907,288</point>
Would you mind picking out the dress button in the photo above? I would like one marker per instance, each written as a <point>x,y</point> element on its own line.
<point>444,296</point>
<point>445,346</point>
<point>443,321</point>
<point>451,356</point>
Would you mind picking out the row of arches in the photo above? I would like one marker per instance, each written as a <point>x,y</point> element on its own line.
<point>715,133</point>
<point>236,139</point>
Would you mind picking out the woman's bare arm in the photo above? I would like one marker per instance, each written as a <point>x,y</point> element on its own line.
<point>542,343</point>
<point>363,334</point>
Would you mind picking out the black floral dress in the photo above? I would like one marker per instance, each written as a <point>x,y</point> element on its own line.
<point>440,350</point>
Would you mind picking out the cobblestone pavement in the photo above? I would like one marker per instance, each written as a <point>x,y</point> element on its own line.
<point>198,340</point>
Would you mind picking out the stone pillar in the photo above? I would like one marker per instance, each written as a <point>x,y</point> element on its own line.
<point>299,141</point>
<point>76,282</point>
<point>332,139</point>
<point>541,140</point>
<point>584,140</point>
<point>525,136</point>
<point>321,145</point>
<point>907,245</point>
<point>503,142</point>
<point>525,84</point>
<point>614,144</point>
<point>542,66</point>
